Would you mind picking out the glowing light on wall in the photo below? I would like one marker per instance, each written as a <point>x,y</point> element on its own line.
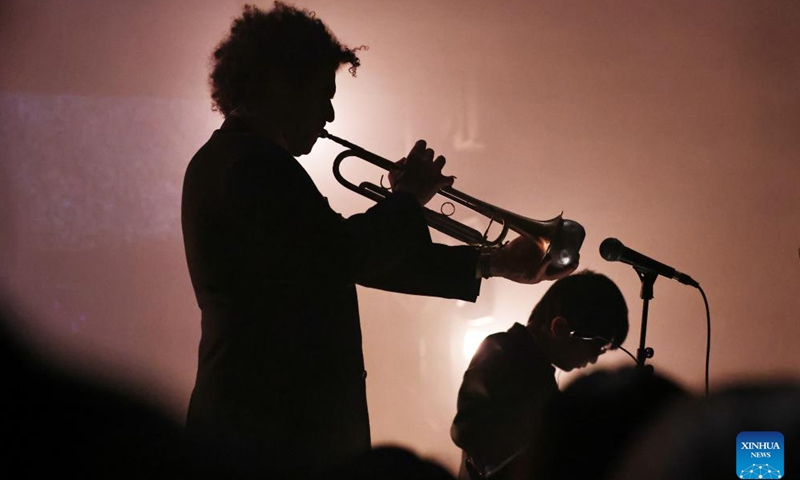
<point>477,330</point>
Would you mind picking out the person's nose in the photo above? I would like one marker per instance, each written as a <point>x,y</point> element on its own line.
<point>594,359</point>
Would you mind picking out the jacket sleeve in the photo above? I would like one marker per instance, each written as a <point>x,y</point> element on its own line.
<point>434,270</point>
<point>286,229</point>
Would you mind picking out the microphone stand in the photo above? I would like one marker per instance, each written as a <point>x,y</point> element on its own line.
<point>647,278</point>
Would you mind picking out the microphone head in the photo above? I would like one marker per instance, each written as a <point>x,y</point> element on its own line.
<point>611,249</point>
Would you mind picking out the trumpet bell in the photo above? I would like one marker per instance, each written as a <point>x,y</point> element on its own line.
<point>565,238</point>
<point>565,246</point>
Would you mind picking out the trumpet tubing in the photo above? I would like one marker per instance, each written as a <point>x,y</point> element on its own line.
<point>565,237</point>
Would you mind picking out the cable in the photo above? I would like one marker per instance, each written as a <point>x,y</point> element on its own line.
<point>708,334</point>
<point>623,349</point>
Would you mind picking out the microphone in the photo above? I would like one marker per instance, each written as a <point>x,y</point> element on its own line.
<point>614,251</point>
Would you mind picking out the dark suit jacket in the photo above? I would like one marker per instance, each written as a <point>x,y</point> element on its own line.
<point>280,376</point>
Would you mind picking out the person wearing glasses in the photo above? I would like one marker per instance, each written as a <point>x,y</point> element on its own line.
<point>511,378</point>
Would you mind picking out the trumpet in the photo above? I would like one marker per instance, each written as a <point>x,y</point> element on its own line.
<point>564,237</point>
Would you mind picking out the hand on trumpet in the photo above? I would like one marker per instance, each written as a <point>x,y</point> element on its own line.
<point>525,260</point>
<point>419,174</point>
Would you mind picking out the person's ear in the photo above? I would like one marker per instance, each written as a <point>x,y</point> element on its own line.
<point>559,328</point>
<point>278,89</point>
<point>282,85</point>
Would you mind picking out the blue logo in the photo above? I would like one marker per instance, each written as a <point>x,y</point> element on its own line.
<point>759,455</point>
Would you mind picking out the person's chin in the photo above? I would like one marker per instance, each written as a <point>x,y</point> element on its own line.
<point>302,148</point>
<point>308,145</point>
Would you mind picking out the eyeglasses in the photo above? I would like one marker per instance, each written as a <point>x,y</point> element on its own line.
<point>608,344</point>
<point>605,344</point>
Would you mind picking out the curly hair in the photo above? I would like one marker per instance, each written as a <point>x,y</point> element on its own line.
<point>283,41</point>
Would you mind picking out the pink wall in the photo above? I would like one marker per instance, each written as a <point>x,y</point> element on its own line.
<point>671,126</point>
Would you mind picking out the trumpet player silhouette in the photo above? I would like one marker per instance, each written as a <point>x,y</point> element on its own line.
<point>280,380</point>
